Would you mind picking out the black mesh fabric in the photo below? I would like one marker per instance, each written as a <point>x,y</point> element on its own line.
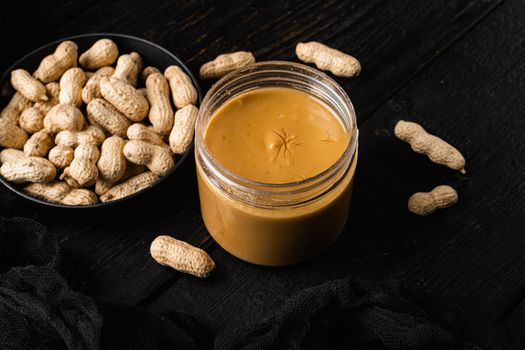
<point>345,314</point>
<point>42,309</point>
<point>38,310</point>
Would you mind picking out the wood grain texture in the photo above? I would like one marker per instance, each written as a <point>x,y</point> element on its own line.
<point>471,254</point>
<point>440,63</point>
<point>394,40</point>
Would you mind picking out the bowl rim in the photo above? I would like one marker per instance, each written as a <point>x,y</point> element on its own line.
<point>15,187</point>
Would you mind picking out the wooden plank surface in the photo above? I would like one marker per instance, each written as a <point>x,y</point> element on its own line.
<point>471,254</point>
<point>393,39</point>
<point>396,41</point>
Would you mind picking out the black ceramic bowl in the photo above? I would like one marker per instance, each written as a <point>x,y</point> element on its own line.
<point>152,55</point>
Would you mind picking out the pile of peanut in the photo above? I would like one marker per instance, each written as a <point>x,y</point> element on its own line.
<point>80,129</point>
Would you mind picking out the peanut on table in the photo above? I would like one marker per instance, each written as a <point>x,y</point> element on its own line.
<point>181,256</point>
<point>117,148</point>
<point>425,203</point>
<point>438,151</point>
<point>327,58</point>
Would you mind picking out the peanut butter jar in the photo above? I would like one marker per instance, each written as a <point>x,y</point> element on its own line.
<point>276,152</point>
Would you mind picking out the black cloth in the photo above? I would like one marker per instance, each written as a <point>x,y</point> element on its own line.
<point>43,306</point>
<point>39,309</point>
<point>345,314</point>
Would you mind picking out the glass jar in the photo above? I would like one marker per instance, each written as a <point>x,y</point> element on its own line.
<point>275,224</point>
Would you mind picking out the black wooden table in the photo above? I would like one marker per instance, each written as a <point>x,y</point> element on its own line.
<point>456,67</point>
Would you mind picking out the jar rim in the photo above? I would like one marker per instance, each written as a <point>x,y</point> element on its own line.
<point>276,66</point>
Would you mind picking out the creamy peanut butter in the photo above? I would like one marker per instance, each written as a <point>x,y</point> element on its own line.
<point>275,135</point>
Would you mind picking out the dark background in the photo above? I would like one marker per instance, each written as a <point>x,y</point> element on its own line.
<point>456,67</point>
